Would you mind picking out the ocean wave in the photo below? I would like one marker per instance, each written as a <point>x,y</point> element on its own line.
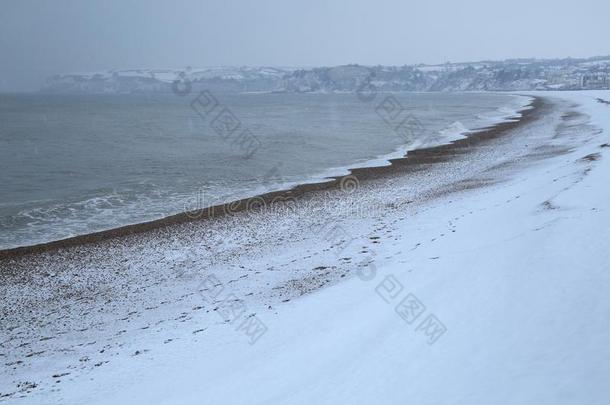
<point>44,220</point>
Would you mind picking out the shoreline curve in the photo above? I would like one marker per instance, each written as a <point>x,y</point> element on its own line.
<point>410,161</point>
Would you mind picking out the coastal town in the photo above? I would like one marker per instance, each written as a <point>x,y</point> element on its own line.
<point>508,75</point>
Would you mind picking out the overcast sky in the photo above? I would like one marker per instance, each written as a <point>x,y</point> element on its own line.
<point>41,38</point>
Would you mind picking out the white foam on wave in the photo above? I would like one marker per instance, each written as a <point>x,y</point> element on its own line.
<point>511,111</point>
<point>114,209</point>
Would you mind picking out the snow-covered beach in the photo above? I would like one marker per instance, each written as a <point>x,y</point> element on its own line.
<point>477,277</point>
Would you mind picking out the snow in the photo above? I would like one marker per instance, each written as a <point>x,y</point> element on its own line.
<point>514,268</point>
<point>508,75</point>
<point>524,300</point>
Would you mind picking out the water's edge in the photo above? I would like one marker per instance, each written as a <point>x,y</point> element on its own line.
<point>412,157</point>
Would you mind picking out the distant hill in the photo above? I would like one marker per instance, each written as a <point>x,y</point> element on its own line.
<point>508,75</point>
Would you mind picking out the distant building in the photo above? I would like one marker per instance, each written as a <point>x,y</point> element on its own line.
<point>595,80</point>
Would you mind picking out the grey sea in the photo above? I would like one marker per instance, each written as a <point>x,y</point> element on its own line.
<point>75,164</point>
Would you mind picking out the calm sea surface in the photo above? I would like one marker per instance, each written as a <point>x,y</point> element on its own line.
<point>72,164</point>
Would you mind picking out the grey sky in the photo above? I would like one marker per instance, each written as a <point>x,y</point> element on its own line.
<point>40,38</point>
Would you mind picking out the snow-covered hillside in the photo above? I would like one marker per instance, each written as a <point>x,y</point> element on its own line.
<point>233,79</point>
<point>531,74</point>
